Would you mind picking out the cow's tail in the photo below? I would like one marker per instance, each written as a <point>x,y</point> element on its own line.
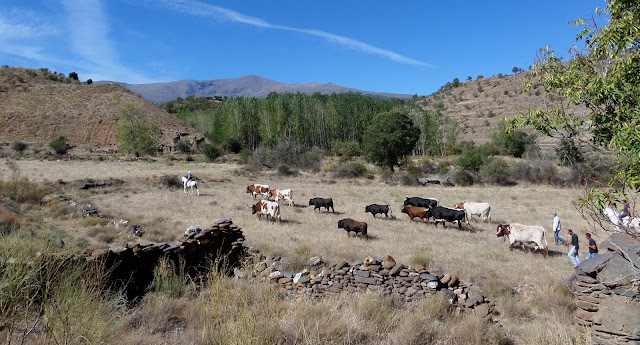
<point>544,235</point>
<point>390,212</point>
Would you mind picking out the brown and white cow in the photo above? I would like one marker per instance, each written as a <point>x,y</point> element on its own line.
<point>414,211</point>
<point>524,234</point>
<point>256,189</point>
<point>482,209</point>
<point>349,224</point>
<point>284,194</point>
<point>267,208</point>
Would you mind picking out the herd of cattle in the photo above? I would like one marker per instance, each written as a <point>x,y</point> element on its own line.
<point>423,208</point>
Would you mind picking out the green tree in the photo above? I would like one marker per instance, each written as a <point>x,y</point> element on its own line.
<point>60,145</point>
<point>604,77</point>
<point>390,136</point>
<point>511,142</point>
<point>136,136</point>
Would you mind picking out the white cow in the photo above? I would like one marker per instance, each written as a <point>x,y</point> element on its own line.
<point>626,221</point>
<point>284,194</point>
<point>267,208</point>
<point>482,209</point>
<point>525,234</point>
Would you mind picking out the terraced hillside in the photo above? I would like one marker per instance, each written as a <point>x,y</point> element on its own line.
<point>37,106</point>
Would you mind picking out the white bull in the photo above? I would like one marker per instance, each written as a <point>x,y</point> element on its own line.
<point>481,209</point>
<point>524,234</point>
<point>284,194</point>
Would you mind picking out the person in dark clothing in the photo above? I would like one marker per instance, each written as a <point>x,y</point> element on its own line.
<point>593,247</point>
<point>625,211</point>
<point>575,246</point>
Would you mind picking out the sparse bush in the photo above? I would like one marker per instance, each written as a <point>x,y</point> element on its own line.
<point>170,181</point>
<point>463,178</point>
<point>350,169</point>
<point>233,145</point>
<point>21,190</point>
<point>345,149</point>
<point>91,221</point>
<point>422,259</point>
<point>496,171</point>
<point>188,158</point>
<point>284,170</point>
<point>568,153</point>
<point>60,145</point>
<point>18,146</point>
<point>183,146</point>
<point>211,152</point>
<point>168,279</point>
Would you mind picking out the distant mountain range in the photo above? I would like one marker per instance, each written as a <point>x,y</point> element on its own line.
<point>247,86</point>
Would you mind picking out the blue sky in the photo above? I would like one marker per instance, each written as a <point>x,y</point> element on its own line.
<point>410,47</point>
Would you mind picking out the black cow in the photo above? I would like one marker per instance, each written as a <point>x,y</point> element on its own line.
<point>420,202</point>
<point>349,224</point>
<point>320,202</point>
<point>446,214</point>
<point>375,209</point>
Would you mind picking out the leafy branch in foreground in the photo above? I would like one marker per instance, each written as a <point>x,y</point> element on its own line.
<point>604,77</point>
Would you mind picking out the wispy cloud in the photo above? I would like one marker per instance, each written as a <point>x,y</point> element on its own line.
<point>23,24</point>
<point>220,13</point>
<point>89,32</point>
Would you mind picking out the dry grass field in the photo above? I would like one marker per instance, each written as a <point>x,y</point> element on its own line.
<point>533,301</point>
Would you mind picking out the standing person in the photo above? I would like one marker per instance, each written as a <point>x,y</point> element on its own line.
<point>625,211</point>
<point>556,229</point>
<point>573,253</point>
<point>593,247</point>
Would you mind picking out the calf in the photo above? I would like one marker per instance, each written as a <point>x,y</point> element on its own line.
<point>284,194</point>
<point>420,202</point>
<point>524,234</point>
<point>256,189</point>
<point>271,209</point>
<point>375,209</point>
<point>349,224</point>
<point>320,202</point>
<point>481,209</point>
<point>446,214</point>
<point>421,212</point>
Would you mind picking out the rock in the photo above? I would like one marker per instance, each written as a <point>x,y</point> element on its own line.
<point>341,265</point>
<point>429,277</point>
<point>192,230</point>
<point>437,272</point>
<point>454,281</point>
<point>395,270</point>
<point>417,267</point>
<point>364,274</point>
<point>620,239</point>
<point>283,281</point>
<point>586,305</point>
<point>410,292</point>
<point>592,266</point>
<point>370,281</point>
<point>259,267</point>
<point>388,262</point>
<point>617,315</point>
<point>432,285</point>
<point>445,279</point>
<point>221,221</point>
<point>482,309</point>
<point>302,280</point>
<point>617,271</point>
<point>315,261</point>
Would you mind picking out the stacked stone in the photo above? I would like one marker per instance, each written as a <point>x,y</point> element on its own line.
<point>131,267</point>
<point>607,290</point>
<point>386,276</point>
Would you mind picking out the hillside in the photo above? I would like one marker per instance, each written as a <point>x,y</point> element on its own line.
<point>478,105</point>
<point>247,86</point>
<point>38,106</point>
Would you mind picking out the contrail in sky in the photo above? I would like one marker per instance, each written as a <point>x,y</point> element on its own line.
<point>206,10</point>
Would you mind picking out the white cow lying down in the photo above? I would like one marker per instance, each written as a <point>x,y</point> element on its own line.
<point>525,233</point>
<point>482,209</point>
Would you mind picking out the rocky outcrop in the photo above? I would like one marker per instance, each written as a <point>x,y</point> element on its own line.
<point>607,290</point>
<point>386,276</point>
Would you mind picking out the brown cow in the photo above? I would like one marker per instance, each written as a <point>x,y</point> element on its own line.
<point>256,189</point>
<point>271,209</point>
<point>353,225</point>
<point>413,211</point>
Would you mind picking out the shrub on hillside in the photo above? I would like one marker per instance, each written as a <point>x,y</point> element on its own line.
<point>211,152</point>
<point>496,172</point>
<point>21,190</point>
<point>60,145</point>
<point>350,169</point>
<point>18,146</point>
<point>473,156</point>
<point>170,181</point>
<point>463,178</point>
<point>284,170</point>
<point>345,149</point>
<point>233,145</point>
<point>183,146</point>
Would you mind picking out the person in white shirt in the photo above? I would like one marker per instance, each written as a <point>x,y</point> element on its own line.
<point>556,229</point>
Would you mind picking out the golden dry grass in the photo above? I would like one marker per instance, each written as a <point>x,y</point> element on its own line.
<point>475,255</point>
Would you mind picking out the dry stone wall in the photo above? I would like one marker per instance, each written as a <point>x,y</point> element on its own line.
<point>386,276</point>
<point>607,290</point>
<point>131,267</point>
